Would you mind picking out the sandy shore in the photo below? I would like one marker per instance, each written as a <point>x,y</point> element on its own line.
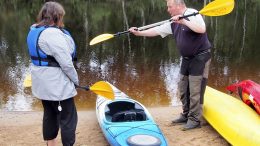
<point>24,129</point>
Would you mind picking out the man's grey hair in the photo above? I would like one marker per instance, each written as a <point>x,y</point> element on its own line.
<point>177,2</point>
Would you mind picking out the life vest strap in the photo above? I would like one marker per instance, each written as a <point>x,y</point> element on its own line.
<point>51,60</point>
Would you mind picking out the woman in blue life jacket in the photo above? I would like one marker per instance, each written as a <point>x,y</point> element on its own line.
<point>54,77</point>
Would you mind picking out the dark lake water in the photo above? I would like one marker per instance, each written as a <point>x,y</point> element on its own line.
<point>144,68</point>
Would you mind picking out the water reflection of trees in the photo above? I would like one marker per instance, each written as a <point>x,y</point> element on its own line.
<point>235,44</point>
<point>134,62</point>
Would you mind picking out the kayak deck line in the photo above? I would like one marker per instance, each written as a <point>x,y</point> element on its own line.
<point>131,128</point>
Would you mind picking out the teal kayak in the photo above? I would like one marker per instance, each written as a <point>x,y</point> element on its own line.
<point>126,122</point>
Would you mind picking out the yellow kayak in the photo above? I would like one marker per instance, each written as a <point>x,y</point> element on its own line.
<point>233,119</point>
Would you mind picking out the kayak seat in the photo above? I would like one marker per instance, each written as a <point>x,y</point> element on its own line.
<point>124,116</point>
<point>119,106</point>
<point>141,116</point>
<point>129,116</point>
<point>124,111</point>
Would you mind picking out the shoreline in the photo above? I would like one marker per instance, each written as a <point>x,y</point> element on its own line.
<point>25,129</point>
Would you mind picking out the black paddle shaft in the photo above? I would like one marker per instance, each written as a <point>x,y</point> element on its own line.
<point>185,16</point>
<point>120,33</point>
<point>82,87</point>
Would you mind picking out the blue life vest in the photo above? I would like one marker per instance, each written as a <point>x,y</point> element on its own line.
<point>38,57</point>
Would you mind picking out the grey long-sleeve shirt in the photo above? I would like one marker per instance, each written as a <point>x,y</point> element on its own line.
<point>55,83</point>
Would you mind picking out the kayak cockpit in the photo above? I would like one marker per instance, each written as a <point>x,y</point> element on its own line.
<point>124,111</point>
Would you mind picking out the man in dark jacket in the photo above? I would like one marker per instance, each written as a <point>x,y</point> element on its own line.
<point>194,47</point>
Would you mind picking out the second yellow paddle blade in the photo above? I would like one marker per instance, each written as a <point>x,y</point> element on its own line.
<point>27,81</point>
<point>101,38</point>
<point>218,8</point>
<point>102,88</point>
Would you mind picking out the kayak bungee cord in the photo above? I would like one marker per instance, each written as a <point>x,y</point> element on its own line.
<point>135,127</point>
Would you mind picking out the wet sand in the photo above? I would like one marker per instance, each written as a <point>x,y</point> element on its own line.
<point>24,129</point>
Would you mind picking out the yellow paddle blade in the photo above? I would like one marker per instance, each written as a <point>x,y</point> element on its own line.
<point>27,81</point>
<point>101,38</point>
<point>218,8</point>
<point>102,88</point>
